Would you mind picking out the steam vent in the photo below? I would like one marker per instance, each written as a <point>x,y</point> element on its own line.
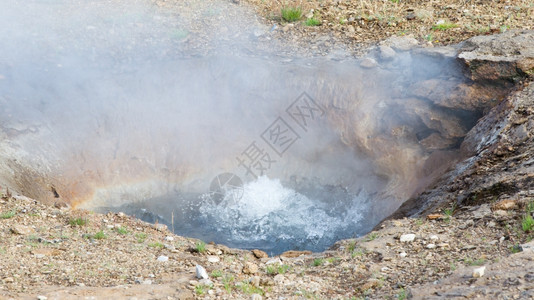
<point>256,149</point>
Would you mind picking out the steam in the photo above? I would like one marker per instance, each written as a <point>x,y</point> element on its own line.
<point>119,104</point>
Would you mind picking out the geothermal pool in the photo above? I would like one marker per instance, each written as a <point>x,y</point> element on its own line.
<point>104,105</point>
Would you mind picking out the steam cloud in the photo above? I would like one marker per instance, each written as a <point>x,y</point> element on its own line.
<point>109,103</point>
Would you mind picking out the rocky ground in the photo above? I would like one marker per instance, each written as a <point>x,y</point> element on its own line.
<point>469,236</point>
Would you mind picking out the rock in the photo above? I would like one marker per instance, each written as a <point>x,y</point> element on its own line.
<point>279,279</point>
<point>368,63</point>
<point>371,283</point>
<point>501,57</point>
<point>147,282</point>
<point>22,230</point>
<point>169,238</point>
<point>42,252</point>
<point>294,253</point>
<point>160,227</point>
<point>507,204</point>
<point>431,246</point>
<point>402,43</point>
<point>201,272</point>
<point>386,53</point>
<point>205,282</point>
<point>250,268</point>
<point>41,297</point>
<point>213,259</point>
<point>259,254</point>
<point>403,254</point>
<point>275,260</point>
<point>434,237</point>
<point>8,280</point>
<point>163,258</point>
<point>255,297</point>
<point>479,272</point>
<point>287,27</point>
<point>527,247</point>
<point>410,237</point>
<point>351,29</point>
<point>255,281</point>
<point>435,217</point>
<point>482,211</point>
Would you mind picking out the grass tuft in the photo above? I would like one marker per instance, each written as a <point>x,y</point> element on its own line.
<point>312,22</point>
<point>444,26</point>
<point>200,247</point>
<point>8,215</point>
<point>291,14</point>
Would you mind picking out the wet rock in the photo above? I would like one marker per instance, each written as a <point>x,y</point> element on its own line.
<point>259,254</point>
<point>406,238</point>
<point>386,53</point>
<point>368,63</point>
<point>201,272</point>
<point>507,56</point>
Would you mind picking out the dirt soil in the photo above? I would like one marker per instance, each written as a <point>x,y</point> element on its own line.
<point>479,249</point>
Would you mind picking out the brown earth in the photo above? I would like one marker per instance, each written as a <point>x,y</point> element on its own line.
<point>479,211</point>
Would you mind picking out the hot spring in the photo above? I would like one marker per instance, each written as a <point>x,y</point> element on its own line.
<point>111,106</point>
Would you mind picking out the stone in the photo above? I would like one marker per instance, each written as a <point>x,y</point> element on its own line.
<point>368,63</point>
<point>527,247</point>
<point>160,227</point>
<point>255,281</point>
<point>279,279</point>
<point>431,246</point>
<point>435,217</point>
<point>255,297</point>
<point>22,230</point>
<point>250,268</point>
<point>163,258</point>
<point>386,53</point>
<point>502,57</point>
<point>294,253</point>
<point>41,297</point>
<point>169,238</point>
<point>506,204</point>
<point>410,237</point>
<point>482,211</point>
<point>479,272</point>
<point>205,282</point>
<point>402,43</point>
<point>259,254</point>
<point>434,237</point>
<point>403,254</point>
<point>201,272</point>
<point>213,259</point>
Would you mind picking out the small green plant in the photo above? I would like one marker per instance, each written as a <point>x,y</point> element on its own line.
<point>141,237</point>
<point>444,26</point>
<point>156,245</point>
<point>99,235</point>
<point>78,222</point>
<point>371,236</point>
<point>250,289</point>
<point>291,14</point>
<point>122,230</point>
<point>515,249</point>
<point>419,221</point>
<point>8,215</point>
<point>312,22</point>
<point>477,262</point>
<point>200,247</point>
<point>201,289</point>
<point>276,269</point>
<point>228,281</point>
<point>352,246</point>
<point>452,266</point>
<point>216,273</point>
<point>331,260</point>
<point>429,37</point>
<point>527,223</point>
<point>357,253</point>
<point>317,262</point>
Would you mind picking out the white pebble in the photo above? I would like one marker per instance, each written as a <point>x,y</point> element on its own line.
<point>407,237</point>
<point>201,272</point>
<point>479,272</point>
<point>163,258</point>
